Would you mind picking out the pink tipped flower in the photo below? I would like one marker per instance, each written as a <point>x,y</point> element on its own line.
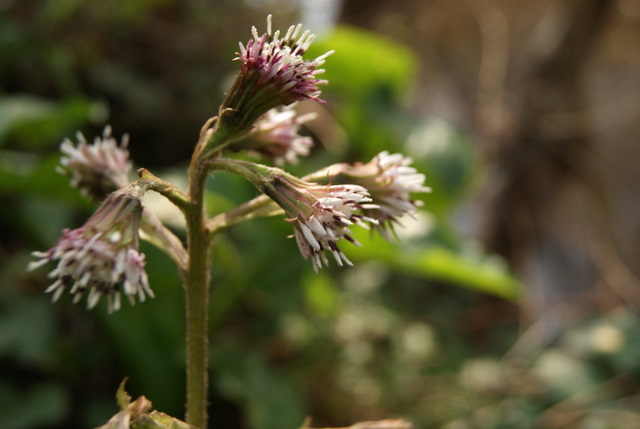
<point>276,137</point>
<point>278,62</point>
<point>101,257</point>
<point>321,215</point>
<point>390,181</point>
<point>273,73</point>
<point>97,169</point>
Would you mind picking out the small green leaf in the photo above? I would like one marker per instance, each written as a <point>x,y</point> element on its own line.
<point>122,397</point>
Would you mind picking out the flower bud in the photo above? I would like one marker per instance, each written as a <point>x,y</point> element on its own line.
<point>276,137</point>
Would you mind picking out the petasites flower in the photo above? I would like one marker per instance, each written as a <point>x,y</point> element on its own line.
<point>272,73</point>
<point>321,215</point>
<point>99,168</point>
<point>276,136</point>
<point>390,181</point>
<point>101,257</point>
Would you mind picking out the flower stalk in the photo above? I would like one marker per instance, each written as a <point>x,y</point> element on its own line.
<point>197,284</point>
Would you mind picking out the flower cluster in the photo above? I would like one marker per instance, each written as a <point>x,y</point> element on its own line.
<point>273,73</point>
<point>390,180</point>
<point>97,169</point>
<point>321,215</point>
<point>276,136</point>
<point>101,257</point>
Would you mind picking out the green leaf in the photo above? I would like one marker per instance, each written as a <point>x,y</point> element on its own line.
<point>465,267</point>
<point>369,76</point>
<point>39,122</point>
<point>22,109</point>
<point>363,61</point>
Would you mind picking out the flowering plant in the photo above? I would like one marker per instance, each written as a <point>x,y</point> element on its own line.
<point>102,258</point>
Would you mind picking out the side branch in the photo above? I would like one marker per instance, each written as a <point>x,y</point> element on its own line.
<point>261,206</point>
<point>166,189</point>
<point>154,231</point>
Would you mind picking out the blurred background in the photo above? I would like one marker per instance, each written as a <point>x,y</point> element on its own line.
<point>510,302</point>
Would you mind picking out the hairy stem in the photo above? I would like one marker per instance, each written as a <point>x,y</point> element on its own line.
<point>197,279</point>
<point>165,188</point>
<point>261,206</point>
<point>154,231</point>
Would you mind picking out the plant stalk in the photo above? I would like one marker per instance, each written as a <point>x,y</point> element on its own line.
<point>197,279</point>
<point>214,135</point>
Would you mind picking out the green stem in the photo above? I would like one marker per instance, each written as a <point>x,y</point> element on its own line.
<point>257,174</point>
<point>197,279</point>
<point>165,188</point>
<point>213,140</point>
<point>326,173</point>
<point>154,231</point>
<point>258,207</point>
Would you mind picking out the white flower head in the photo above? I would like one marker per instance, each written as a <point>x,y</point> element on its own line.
<point>276,136</point>
<point>101,257</point>
<point>390,180</point>
<point>321,215</point>
<point>99,168</point>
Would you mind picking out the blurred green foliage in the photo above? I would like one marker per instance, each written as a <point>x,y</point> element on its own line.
<point>422,328</point>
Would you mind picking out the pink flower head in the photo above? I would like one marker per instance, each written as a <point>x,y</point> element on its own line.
<point>276,137</point>
<point>96,169</point>
<point>321,215</point>
<point>101,257</point>
<point>390,181</point>
<point>278,62</point>
<point>273,73</point>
